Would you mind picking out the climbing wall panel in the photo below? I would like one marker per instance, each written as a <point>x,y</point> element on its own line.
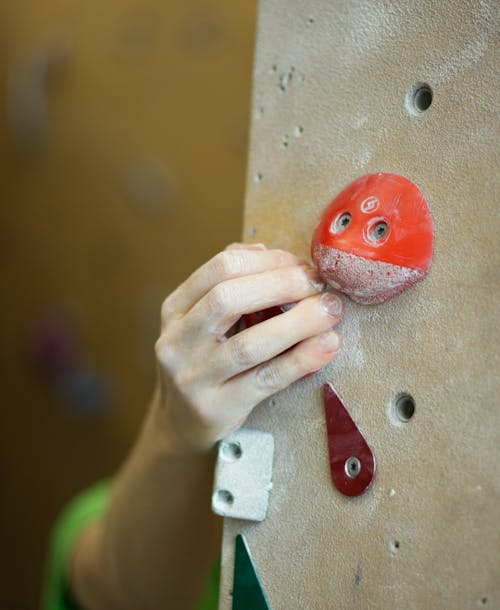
<point>343,89</point>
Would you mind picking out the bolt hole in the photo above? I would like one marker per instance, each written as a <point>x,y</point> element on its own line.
<point>223,499</point>
<point>394,546</point>
<point>404,407</point>
<point>419,98</point>
<point>230,451</point>
<point>422,98</point>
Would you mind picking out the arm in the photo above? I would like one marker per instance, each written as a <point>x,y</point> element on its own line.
<point>156,543</point>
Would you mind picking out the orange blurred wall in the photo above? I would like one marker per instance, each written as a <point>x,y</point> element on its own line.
<point>122,165</point>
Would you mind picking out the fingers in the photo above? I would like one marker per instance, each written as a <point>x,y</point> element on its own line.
<point>264,341</point>
<point>228,301</point>
<point>238,246</point>
<point>255,385</point>
<point>232,263</point>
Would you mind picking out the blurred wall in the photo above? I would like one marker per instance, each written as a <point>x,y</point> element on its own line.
<point>122,162</point>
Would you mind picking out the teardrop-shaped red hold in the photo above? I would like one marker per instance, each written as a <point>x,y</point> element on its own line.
<point>352,463</point>
<point>375,239</point>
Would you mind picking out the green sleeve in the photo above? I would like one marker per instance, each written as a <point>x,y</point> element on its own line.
<point>85,507</point>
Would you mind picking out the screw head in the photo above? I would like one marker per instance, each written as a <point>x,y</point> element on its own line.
<point>352,467</point>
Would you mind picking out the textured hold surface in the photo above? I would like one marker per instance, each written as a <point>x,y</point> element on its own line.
<point>426,534</point>
<point>243,475</point>
<point>375,238</point>
<point>365,281</point>
<point>380,200</point>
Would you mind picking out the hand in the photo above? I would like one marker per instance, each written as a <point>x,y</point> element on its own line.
<point>210,380</point>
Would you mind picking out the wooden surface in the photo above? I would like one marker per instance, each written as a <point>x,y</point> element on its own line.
<point>330,84</point>
<point>139,180</point>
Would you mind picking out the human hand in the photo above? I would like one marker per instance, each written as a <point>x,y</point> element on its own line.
<point>210,380</point>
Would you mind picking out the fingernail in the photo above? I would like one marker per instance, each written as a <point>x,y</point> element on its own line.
<point>329,341</point>
<point>332,304</point>
<point>259,246</point>
<point>315,280</point>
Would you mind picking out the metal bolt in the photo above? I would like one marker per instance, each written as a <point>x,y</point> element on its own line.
<point>341,223</point>
<point>352,467</point>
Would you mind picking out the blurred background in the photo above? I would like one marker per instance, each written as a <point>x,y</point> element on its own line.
<point>123,139</point>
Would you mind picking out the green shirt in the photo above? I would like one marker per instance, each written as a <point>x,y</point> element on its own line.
<point>85,507</point>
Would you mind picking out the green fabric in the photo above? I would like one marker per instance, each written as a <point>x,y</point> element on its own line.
<point>210,600</point>
<point>85,507</point>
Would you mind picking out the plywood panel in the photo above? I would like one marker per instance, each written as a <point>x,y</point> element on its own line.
<point>330,83</point>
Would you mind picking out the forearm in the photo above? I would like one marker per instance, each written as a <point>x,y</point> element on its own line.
<point>158,532</point>
<point>154,547</point>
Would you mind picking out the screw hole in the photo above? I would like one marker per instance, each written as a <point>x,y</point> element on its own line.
<point>422,98</point>
<point>419,98</point>
<point>394,546</point>
<point>484,601</point>
<point>404,407</point>
<point>223,499</point>
<point>230,451</point>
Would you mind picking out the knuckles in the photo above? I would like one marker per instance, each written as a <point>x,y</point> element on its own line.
<point>220,299</point>
<point>166,353</point>
<point>185,378</point>
<point>226,264</point>
<point>268,379</point>
<point>242,352</point>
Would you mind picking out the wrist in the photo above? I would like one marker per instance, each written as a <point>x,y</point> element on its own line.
<point>170,428</point>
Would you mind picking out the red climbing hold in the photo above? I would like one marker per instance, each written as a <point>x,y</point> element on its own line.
<point>375,239</point>
<point>352,463</point>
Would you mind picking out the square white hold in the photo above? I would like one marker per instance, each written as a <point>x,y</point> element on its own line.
<point>243,475</point>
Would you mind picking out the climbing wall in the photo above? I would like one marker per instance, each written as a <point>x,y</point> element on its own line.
<point>343,89</point>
